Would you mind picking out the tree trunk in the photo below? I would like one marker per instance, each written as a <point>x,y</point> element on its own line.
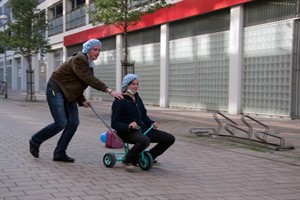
<point>30,81</point>
<point>125,61</point>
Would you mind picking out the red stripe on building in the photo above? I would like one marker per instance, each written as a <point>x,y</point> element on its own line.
<point>181,10</point>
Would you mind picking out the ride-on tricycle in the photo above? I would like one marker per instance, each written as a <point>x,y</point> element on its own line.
<point>109,159</point>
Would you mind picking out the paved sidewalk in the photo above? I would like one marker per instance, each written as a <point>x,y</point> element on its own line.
<point>194,168</point>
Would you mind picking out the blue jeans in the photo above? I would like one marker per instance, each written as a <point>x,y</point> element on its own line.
<point>66,118</point>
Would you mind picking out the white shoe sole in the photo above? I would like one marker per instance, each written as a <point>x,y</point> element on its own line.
<point>128,168</point>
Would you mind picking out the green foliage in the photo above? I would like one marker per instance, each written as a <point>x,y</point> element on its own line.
<point>2,41</point>
<point>122,13</point>
<point>27,28</point>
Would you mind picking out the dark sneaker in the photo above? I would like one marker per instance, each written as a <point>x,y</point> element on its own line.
<point>34,149</point>
<point>128,166</point>
<point>64,158</point>
<point>156,163</point>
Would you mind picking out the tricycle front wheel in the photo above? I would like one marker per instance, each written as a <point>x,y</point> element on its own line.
<point>146,161</point>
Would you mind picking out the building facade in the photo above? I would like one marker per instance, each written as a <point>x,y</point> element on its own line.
<point>236,56</point>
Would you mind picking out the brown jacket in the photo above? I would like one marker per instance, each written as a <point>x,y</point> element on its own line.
<point>74,76</point>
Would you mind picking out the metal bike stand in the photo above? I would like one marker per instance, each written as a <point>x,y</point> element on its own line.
<point>231,126</point>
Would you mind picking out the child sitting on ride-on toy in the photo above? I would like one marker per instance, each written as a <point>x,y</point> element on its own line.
<point>130,120</point>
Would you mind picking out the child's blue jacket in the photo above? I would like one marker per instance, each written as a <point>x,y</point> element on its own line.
<point>125,111</point>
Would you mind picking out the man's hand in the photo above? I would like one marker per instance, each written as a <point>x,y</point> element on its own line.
<point>86,104</point>
<point>116,94</point>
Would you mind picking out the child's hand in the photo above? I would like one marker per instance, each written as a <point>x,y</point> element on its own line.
<point>155,125</point>
<point>133,126</point>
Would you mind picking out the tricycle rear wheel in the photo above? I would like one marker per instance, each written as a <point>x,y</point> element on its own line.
<point>109,160</point>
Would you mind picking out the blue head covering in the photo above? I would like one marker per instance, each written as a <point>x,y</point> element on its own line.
<point>86,47</point>
<point>127,79</point>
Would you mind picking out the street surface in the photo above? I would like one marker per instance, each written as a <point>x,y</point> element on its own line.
<point>194,168</point>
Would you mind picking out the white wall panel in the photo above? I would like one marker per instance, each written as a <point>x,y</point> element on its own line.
<point>267,69</point>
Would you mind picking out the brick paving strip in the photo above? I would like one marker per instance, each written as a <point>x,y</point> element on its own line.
<point>194,168</point>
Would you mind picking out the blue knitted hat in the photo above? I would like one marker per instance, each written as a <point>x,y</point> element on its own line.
<point>86,47</point>
<point>127,79</point>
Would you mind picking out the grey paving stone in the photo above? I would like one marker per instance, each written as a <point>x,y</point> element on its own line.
<point>193,168</point>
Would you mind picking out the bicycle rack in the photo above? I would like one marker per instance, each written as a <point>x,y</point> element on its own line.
<point>263,135</point>
<point>212,131</point>
<point>231,126</point>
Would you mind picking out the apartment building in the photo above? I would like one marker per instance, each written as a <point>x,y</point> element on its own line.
<point>236,56</point>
